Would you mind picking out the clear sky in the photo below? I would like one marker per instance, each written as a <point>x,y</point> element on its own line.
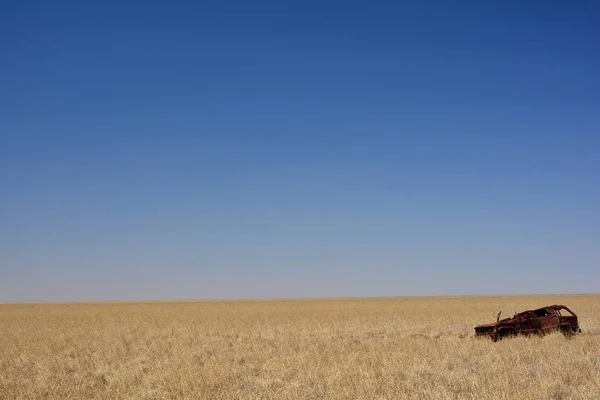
<point>163,150</point>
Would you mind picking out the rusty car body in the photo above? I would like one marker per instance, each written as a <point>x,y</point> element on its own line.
<point>543,320</point>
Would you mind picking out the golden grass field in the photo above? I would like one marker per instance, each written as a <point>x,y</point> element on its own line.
<point>380,348</point>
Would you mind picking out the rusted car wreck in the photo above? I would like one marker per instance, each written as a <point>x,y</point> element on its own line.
<point>539,321</point>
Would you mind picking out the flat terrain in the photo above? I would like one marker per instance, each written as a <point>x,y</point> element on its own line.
<point>390,348</point>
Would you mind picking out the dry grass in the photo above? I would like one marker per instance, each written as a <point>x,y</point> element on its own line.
<point>412,348</point>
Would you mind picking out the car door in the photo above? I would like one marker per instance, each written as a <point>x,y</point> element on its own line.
<point>529,323</point>
<point>548,319</point>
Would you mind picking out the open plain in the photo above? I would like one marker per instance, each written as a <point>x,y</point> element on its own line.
<point>372,348</point>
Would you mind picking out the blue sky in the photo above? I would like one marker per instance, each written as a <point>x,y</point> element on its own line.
<point>269,149</point>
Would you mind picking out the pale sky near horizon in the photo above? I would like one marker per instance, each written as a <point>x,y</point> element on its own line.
<point>270,149</point>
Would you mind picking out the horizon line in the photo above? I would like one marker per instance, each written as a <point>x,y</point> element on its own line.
<point>283,298</point>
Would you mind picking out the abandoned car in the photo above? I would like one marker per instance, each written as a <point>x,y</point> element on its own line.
<point>540,321</point>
